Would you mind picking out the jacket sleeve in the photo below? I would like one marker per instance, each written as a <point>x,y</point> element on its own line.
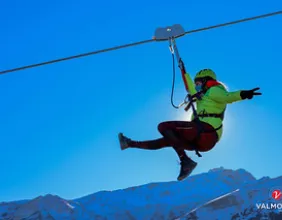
<point>221,95</point>
<point>189,84</point>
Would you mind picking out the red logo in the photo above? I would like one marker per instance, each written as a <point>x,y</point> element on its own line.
<point>276,194</point>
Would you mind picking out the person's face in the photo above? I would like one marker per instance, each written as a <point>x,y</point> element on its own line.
<point>198,85</point>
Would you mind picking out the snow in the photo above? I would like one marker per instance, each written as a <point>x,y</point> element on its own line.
<point>240,203</point>
<point>220,193</point>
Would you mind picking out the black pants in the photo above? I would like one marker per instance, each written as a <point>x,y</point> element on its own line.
<point>179,135</point>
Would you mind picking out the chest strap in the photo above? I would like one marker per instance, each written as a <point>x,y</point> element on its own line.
<point>212,115</point>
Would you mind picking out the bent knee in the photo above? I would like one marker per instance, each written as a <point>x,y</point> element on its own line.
<point>167,125</point>
<point>162,127</point>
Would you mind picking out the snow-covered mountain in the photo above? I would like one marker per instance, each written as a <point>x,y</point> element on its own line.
<point>218,194</point>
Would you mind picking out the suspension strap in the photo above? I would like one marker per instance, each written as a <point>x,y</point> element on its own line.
<point>192,100</point>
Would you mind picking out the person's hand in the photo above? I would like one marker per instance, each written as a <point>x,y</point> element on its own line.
<point>249,94</point>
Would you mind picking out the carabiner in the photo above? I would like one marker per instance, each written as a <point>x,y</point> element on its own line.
<point>170,45</point>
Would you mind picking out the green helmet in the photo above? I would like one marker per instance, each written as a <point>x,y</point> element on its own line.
<point>205,73</point>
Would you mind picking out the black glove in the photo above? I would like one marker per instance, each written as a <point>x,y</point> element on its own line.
<point>249,94</point>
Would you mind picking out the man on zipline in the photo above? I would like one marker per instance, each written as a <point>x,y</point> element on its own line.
<point>204,130</point>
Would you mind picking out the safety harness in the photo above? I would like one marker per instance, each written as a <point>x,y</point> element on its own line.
<point>200,127</point>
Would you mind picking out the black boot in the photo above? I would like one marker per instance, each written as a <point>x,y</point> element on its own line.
<point>187,166</point>
<point>123,141</point>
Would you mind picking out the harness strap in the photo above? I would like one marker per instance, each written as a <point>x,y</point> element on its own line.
<point>213,115</point>
<point>198,154</point>
<point>200,131</point>
<point>192,99</point>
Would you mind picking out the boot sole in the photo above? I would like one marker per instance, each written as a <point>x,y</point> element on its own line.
<point>188,174</point>
<point>122,143</point>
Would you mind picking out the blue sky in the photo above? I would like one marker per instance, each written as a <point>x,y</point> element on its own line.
<point>59,123</point>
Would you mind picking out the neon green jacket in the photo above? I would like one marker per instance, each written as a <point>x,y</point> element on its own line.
<point>214,100</point>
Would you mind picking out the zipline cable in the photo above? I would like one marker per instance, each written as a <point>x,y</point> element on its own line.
<point>234,22</point>
<point>136,43</point>
<point>75,56</point>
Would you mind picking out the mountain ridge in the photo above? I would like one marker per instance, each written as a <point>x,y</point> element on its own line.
<point>165,200</point>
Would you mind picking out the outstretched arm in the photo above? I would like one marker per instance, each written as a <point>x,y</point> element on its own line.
<point>221,95</point>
